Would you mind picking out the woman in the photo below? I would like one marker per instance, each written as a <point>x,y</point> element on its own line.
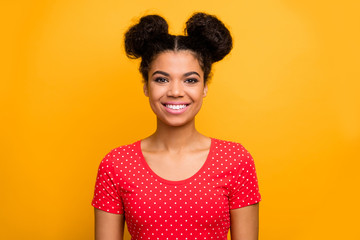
<point>177,183</point>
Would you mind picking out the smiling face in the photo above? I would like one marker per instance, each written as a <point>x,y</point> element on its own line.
<point>175,87</point>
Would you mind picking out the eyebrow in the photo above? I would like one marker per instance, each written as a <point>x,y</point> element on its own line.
<point>191,73</point>
<point>161,72</point>
<point>166,74</point>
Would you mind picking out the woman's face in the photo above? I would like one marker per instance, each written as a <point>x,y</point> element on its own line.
<point>175,87</point>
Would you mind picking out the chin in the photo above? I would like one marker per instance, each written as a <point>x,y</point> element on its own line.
<point>176,123</point>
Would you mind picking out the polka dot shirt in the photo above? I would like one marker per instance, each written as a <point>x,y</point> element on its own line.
<point>194,208</point>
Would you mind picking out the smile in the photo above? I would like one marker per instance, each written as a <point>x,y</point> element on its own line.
<point>175,108</point>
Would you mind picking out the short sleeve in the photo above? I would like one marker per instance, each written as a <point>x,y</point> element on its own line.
<point>107,193</point>
<point>245,189</point>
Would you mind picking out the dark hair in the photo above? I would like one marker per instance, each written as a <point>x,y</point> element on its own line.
<point>205,35</point>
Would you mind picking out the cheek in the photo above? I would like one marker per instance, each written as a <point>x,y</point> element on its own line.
<point>155,94</point>
<point>197,94</point>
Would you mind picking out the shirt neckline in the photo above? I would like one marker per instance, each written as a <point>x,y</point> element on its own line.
<point>175,182</point>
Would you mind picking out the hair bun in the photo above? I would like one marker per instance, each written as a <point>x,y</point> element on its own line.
<point>138,37</point>
<point>211,34</point>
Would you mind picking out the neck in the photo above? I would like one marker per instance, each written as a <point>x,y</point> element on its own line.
<point>172,138</point>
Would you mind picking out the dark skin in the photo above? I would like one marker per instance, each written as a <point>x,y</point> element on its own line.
<point>176,151</point>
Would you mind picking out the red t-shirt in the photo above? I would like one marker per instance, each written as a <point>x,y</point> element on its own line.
<point>194,208</point>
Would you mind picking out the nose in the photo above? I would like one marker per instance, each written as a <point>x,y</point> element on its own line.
<point>176,89</point>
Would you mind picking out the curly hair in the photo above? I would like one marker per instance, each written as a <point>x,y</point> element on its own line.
<point>205,35</point>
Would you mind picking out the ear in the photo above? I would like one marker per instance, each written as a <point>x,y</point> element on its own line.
<point>205,90</point>
<point>145,88</point>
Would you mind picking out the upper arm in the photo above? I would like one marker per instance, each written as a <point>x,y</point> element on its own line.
<point>108,226</point>
<point>244,223</point>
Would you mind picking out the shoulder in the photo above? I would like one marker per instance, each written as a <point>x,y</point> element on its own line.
<point>229,147</point>
<point>231,154</point>
<point>128,149</point>
<point>121,153</point>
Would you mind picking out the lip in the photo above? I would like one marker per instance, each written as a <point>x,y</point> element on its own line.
<point>176,103</point>
<point>175,111</point>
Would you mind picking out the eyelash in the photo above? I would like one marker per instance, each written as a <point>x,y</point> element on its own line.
<point>163,80</point>
<point>160,80</point>
<point>191,80</point>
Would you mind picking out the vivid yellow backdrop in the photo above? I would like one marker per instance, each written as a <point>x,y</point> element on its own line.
<point>289,92</point>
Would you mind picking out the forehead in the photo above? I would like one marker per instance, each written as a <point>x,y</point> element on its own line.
<point>176,62</point>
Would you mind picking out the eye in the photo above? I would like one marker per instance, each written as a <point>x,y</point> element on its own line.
<point>160,80</point>
<point>191,80</point>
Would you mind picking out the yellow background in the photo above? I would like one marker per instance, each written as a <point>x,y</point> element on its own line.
<point>289,91</point>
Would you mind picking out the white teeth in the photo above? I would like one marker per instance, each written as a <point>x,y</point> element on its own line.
<point>176,107</point>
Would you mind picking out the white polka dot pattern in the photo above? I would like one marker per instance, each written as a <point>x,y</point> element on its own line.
<point>194,208</point>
